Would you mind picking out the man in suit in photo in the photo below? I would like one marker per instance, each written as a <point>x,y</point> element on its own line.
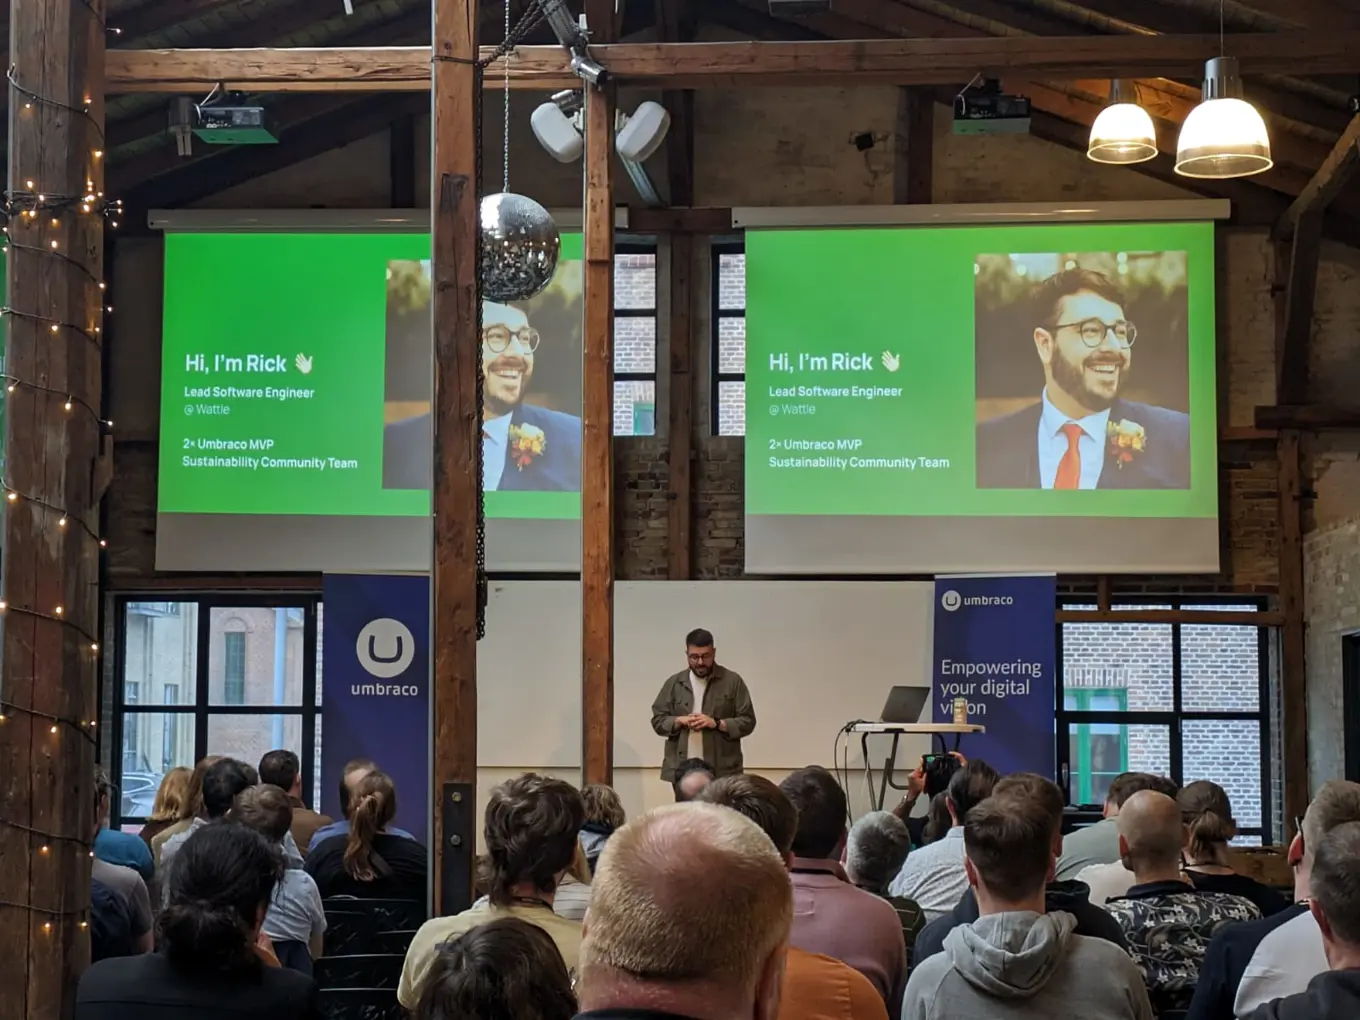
<point>1082,434</point>
<point>524,447</point>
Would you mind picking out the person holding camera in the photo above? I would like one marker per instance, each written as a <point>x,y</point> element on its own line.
<point>930,778</point>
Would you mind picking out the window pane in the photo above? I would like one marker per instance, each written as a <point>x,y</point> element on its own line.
<point>1220,668</point>
<point>732,281</point>
<point>1098,752</point>
<point>248,737</point>
<point>732,345</point>
<point>255,656</point>
<point>1134,657</point>
<point>634,408</point>
<point>153,744</point>
<point>635,343</point>
<point>160,660</point>
<point>1227,751</point>
<point>316,761</point>
<point>732,408</point>
<point>634,280</point>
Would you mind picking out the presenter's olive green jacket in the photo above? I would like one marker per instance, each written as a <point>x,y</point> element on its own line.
<point>726,699</point>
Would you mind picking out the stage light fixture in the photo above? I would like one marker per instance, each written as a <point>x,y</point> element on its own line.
<point>1123,132</point>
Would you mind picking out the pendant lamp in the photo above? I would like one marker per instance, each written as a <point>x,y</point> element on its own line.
<point>1224,136</point>
<point>1123,132</point>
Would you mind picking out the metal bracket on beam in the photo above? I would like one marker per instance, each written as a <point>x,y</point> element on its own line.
<point>458,849</point>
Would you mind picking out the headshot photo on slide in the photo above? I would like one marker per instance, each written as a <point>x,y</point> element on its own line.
<point>1082,370</point>
<point>531,384</point>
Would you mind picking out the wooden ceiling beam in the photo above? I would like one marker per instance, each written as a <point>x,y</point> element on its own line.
<point>155,16</point>
<point>699,65</point>
<point>1322,14</point>
<point>1327,183</point>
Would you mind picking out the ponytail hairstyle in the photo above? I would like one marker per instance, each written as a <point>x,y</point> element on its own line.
<point>372,806</point>
<point>1207,815</point>
<point>220,886</point>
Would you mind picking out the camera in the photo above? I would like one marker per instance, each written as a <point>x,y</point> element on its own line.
<point>938,770</point>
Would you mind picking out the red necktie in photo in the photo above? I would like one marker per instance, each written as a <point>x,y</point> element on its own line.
<point>1069,468</point>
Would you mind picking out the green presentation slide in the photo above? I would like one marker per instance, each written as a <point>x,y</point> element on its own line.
<point>296,379</point>
<point>1062,370</point>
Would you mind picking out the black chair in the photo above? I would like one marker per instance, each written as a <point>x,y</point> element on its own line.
<point>353,925</point>
<point>366,970</point>
<point>393,941</point>
<point>359,1004</point>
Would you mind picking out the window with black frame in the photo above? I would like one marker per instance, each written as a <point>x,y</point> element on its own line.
<point>1185,700</point>
<point>634,339</point>
<point>211,674</point>
<point>728,346</point>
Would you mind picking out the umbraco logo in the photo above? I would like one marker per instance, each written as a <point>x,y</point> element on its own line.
<point>385,648</point>
<point>951,600</point>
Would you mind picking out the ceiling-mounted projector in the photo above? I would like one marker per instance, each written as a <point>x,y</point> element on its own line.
<point>233,120</point>
<point>989,111</point>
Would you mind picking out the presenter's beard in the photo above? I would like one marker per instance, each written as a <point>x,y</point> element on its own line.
<point>1086,384</point>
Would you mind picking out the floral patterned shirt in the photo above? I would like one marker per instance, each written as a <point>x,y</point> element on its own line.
<point>1168,926</point>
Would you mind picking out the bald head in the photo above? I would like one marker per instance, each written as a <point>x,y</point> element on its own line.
<point>687,895</point>
<point>1151,831</point>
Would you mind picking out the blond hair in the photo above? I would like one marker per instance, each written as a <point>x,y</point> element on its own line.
<point>688,892</point>
<point>172,796</point>
<point>1337,803</point>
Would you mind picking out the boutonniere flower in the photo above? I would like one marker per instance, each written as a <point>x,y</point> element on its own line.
<point>1126,439</point>
<point>527,443</point>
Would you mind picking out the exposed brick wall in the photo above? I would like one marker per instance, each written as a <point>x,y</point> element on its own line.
<point>1331,565</point>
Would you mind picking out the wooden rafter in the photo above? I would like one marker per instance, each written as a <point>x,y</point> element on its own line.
<point>698,65</point>
<point>1328,182</point>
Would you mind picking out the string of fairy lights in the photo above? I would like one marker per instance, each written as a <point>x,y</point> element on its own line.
<point>27,213</point>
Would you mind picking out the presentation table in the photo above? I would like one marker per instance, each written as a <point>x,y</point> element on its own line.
<point>897,730</point>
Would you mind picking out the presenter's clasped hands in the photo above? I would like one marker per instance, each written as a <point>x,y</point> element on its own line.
<point>699,721</point>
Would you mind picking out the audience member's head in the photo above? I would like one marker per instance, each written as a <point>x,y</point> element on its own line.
<point>938,821</point>
<point>282,769</point>
<point>350,777</point>
<point>691,776</point>
<point>220,887</point>
<point>532,823</point>
<point>692,906</point>
<point>821,812</point>
<point>172,795</point>
<point>1209,824</point>
<point>1337,803</point>
<point>193,800</point>
<point>875,850</point>
<point>758,799</point>
<point>224,779</point>
<point>1151,836</point>
<point>1335,902</point>
<point>1035,788</point>
<point>1008,848</point>
<point>602,806</point>
<point>265,808</point>
<point>969,787</point>
<point>103,795</point>
<point>503,969</point>
<point>372,806</point>
<point>1126,784</point>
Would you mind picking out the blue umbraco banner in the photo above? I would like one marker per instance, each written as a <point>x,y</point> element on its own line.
<point>376,687</point>
<point>995,645</point>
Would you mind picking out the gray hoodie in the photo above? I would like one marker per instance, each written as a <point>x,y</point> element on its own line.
<point>1026,965</point>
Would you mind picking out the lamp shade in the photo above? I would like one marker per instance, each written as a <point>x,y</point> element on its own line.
<point>1224,136</point>
<point>1123,133</point>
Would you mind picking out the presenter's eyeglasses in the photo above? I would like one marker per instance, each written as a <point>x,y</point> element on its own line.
<point>497,338</point>
<point>1093,331</point>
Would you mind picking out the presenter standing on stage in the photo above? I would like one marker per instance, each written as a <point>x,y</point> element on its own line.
<point>703,711</point>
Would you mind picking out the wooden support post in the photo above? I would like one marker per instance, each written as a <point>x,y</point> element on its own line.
<point>1293,632</point>
<point>597,445</point>
<point>1296,261</point>
<point>680,421</point>
<point>50,579</point>
<point>914,147</point>
<point>457,430</point>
